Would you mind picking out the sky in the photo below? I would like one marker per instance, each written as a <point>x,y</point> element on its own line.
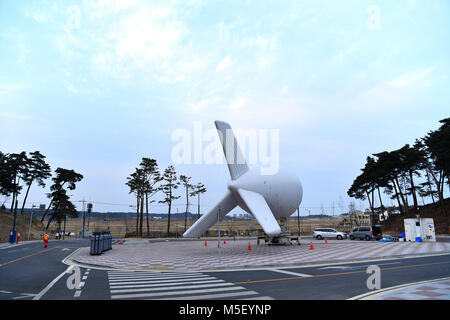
<point>97,85</point>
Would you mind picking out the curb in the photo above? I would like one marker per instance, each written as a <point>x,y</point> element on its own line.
<point>381,292</point>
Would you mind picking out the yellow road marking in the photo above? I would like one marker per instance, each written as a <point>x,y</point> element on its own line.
<point>338,274</point>
<point>30,255</point>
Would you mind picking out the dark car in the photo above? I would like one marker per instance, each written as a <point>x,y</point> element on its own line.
<point>366,233</point>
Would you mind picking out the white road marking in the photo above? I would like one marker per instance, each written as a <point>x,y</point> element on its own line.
<point>173,285</point>
<point>25,295</point>
<point>51,284</point>
<point>151,281</point>
<point>195,286</point>
<point>291,273</point>
<point>149,295</point>
<point>338,267</point>
<point>112,280</point>
<point>258,298</point>
<point>217,296</point>
<point>165,284</point>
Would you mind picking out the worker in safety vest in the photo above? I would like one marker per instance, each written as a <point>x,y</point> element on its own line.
<point>45,240</point>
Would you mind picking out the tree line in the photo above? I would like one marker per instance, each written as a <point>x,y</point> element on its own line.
<point>21,170</point>
<point>421,169</point>
<point>146,181</point>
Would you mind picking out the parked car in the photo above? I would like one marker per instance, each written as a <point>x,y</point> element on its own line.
<point>366,233</point>
<point>328,233</point>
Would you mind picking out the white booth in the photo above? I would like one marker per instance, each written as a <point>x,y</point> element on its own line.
<point>420,229</point>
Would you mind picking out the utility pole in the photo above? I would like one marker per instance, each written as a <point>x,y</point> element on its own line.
<point>218,220</point>
<point>64,231</point>
<point>89,208</point>
<point>298,220</point>
<point>84,216</point>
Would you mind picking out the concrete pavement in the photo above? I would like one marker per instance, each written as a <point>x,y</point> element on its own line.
<point>438,289</point>
<point>206,255</point>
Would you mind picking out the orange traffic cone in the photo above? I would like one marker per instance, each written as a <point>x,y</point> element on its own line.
<point>206,244</point>
<point>218,245</point>
<point>224,241</point>
<point>258,241</point>
<point>121,243</point>
<point>249,246</point>
<point>326,240</point>
<point>311,247</point>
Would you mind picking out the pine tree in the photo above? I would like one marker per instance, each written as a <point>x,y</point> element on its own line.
<point>171,183</point>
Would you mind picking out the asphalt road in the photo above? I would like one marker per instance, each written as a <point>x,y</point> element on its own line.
<point>338,282</point>
<point>29,271</point>
<point>26,269</point>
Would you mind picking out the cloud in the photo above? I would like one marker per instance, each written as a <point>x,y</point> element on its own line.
<point>412,79</point>
<point>8,92</point>
<point>74,17</point>
<point>396,93</point>
<point>224,64</point>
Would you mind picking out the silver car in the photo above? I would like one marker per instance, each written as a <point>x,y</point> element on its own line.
<point>366,233</point>
<point>328,233</point>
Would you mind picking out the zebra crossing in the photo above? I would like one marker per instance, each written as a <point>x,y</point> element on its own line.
<point>147,285</point>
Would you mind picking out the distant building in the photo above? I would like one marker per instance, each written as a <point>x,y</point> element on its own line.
<point>359,218</point>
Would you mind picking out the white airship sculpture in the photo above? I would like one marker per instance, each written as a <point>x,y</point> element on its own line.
<point>266,197</point>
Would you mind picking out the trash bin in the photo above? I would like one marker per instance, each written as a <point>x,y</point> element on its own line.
<point>12,236</point>
<point>100,242</point>
<point>108,242</point>
<point>95,245</point>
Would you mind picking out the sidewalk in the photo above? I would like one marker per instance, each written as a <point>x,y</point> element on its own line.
<point>6,245</point>
<point>438,289</point>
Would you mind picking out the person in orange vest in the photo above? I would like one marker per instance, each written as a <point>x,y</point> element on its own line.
<point>18,237</point>
<point>45,240</point>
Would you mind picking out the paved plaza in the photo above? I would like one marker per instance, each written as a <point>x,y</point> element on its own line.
<point>434,290</point>
<point>195,256</point>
